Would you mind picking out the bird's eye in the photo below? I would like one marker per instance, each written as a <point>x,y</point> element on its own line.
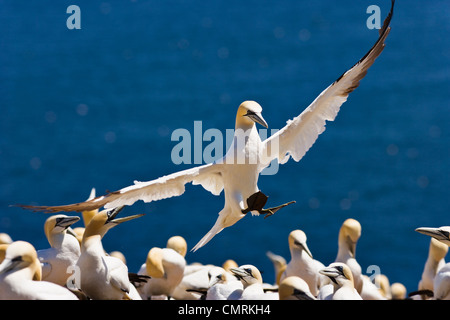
<point>249,271</point>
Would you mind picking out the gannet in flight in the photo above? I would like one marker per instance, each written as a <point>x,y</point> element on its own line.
<point>238,171</point>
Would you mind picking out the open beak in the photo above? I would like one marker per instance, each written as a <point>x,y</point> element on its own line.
<point>114,212</point>
<point>257,117</point>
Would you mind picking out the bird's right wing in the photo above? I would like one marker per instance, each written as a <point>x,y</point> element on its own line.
<point>209,176</point>
<point>299,134</point>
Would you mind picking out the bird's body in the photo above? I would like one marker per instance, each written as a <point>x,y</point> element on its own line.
<point>237,172</point>
<point>59,260</point>
<point>434,262</point>
<point>165,267</point>
<point>302,263</point>
<point>222,284</point>
<point>102,277</point>
<point>294,288</point>
<point>17,272</point>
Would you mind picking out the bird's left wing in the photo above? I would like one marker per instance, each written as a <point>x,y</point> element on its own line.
<point>295,139</point>
<point>209,176</point>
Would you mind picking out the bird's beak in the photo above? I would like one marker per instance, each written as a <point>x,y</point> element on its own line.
<point>113,213</point>
<point>257,117</point>
<point>9,264</point>
<point>436,233</point>
<point>66,222</point>
<point>329,272</point>
<point>304,247</point>
<point>239,273</point>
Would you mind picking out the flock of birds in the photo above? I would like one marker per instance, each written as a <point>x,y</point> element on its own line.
<point>76,267</point>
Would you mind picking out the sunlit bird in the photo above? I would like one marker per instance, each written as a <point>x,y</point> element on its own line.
<point>237,172</point>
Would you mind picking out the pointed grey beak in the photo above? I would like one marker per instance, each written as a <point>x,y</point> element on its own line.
<point>66,222</point>
<point>329,272</point>
<point>9,264</point>
<point>436,233</point>
<point>304,247</point>
<point>257,117</point>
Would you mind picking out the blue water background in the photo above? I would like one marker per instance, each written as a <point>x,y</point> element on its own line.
<point>96,107</point>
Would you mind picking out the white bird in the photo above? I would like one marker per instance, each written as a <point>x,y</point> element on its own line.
<point>435,261</point>
<point>222,284</point>
<point>349,234</point>
<point>102,277</point>
<point>165,266</point>
<point>342,279</point>
<point>195,278</point>
<point>294,288</point>
<point>302,263</point>
<point>252,283</point>
<point>59,260</point>
<point>441,284</point>
<point>238,171</point>
<point>17,272</point>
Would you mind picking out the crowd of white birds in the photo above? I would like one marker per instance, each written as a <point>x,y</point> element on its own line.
<point>75,266</point>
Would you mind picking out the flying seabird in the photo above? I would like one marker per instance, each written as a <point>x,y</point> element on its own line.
<point>238,171</point>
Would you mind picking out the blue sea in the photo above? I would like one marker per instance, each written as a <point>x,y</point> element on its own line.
<point>96,108</point>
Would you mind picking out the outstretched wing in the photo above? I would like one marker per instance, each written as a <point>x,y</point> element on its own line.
<point>209,176</point>
<point>295,139</point>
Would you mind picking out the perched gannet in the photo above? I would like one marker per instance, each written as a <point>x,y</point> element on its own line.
<point>195,278</point>
<point>103,277</point>
<point>279,265</point>
<point>294,288</point>
<point>441,284</point>
<point>435,261</point>
<point>252,283</point>
<point>165,266</point>
<point>238,171</point>
<point>302,263</point>
<point>342,278</point>
<point>17,272</point>
<point>59,260</point>
<point>222,284</point>
<point>349,234</point>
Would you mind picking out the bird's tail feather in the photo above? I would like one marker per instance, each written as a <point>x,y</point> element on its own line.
<point>211,233</point>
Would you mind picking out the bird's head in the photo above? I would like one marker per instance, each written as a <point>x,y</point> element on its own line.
<point>297,242</point>
<point>248,113</point>
<point>442,233</point>
<point>19,254</point>
<point>105,220</point>
<point>338,272</point>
